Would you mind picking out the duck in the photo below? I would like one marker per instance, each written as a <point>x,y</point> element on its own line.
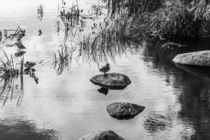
<point>39,32</point>
<point>105,68</point>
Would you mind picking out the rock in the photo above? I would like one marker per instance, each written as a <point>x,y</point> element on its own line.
<point>111,80</point>
<point>124,110</point>
<point>29,64</point>
<point>200,58</point>
<point>103,135</point>
<point>20,53</point>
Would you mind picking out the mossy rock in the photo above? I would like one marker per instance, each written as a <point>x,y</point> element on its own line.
<point>111,80</point>
<point>199,58</point>
<point>124,110</point>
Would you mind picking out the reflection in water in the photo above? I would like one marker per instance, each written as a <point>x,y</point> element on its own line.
<point>200,72</point>
<point>63,58</point>
<point>24,130</point>
<point>66,102</point>
<point>11,88</point>
<point>40,12</point>
<point>157,122</point>
<point>193,88</point>
<point>11,80</point>
<point>195,106</point>
<point>103,90</point>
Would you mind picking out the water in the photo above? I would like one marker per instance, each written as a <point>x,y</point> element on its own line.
<point>68,106</point>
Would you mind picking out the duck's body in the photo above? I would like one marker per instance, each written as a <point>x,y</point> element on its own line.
<point>105,69</point>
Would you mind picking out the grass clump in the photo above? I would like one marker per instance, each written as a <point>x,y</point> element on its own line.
<point>107,43</point>
<point>173,21</point>
<point>132,7</point>
<point>63,58</point>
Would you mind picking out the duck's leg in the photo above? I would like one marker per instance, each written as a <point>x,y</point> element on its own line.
<point>105,74</point>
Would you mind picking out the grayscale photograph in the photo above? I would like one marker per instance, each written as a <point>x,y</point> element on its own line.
<point>104,70</point>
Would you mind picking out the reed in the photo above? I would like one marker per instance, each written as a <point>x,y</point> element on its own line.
<point>7,68</point>
<point>109,42</point>
<point>132,7</point>
<point>173,21</point>
<point>8,75</point>
<point>63,58</point>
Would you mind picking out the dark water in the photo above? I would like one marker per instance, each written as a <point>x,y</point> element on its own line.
<point>68,106</point>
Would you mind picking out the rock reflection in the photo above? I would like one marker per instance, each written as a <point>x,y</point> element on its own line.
<point>200,72</point>
<point>157,122</point>
<point>195,106</point>
<point>24,130</point>
<point>193,92</point>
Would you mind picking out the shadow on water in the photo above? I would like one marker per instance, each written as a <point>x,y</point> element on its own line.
<point>103,90</point>
<point>195,106</point>
<point>192,83</point>
<point>24,130</point>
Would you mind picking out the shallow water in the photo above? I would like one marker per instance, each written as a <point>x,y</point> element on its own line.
<point>68,106</point>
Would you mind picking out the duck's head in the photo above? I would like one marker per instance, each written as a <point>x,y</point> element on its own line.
<point>107,64</point>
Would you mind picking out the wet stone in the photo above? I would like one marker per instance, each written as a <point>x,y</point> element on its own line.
<point>29,64</point>
<point>200,58</point>
<point>124,110</point>
<point>102,135</point>
<point>111,80</point>
<point>20,53</point>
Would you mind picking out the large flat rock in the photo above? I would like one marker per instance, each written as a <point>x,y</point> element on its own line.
<point>111,80</point>
<point>120,110</point>
<point>200,58</point>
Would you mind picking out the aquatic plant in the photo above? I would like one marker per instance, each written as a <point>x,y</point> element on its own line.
<point>63,58</point>
<point>40,12</point>
<point>8,75</point>
<point>107,43</point>
<point>70,17</point>
<point>18,33</point>
<point>7,68</point>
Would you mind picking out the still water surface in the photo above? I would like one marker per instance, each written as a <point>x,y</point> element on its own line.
<point>68,106</point>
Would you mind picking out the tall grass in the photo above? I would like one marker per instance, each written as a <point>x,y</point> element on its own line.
<point>109,42</point>
<point>173,21</point>
<point>132,7</point>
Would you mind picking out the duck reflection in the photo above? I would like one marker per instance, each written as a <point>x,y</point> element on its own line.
<point>103,90</point>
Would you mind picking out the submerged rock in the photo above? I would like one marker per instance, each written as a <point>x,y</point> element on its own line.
<point>111,80</point>
<point>103,135</point>
<point>200,58</point>
<point>124,110</point>
<point>29,64</point>
<point>20,53</point>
